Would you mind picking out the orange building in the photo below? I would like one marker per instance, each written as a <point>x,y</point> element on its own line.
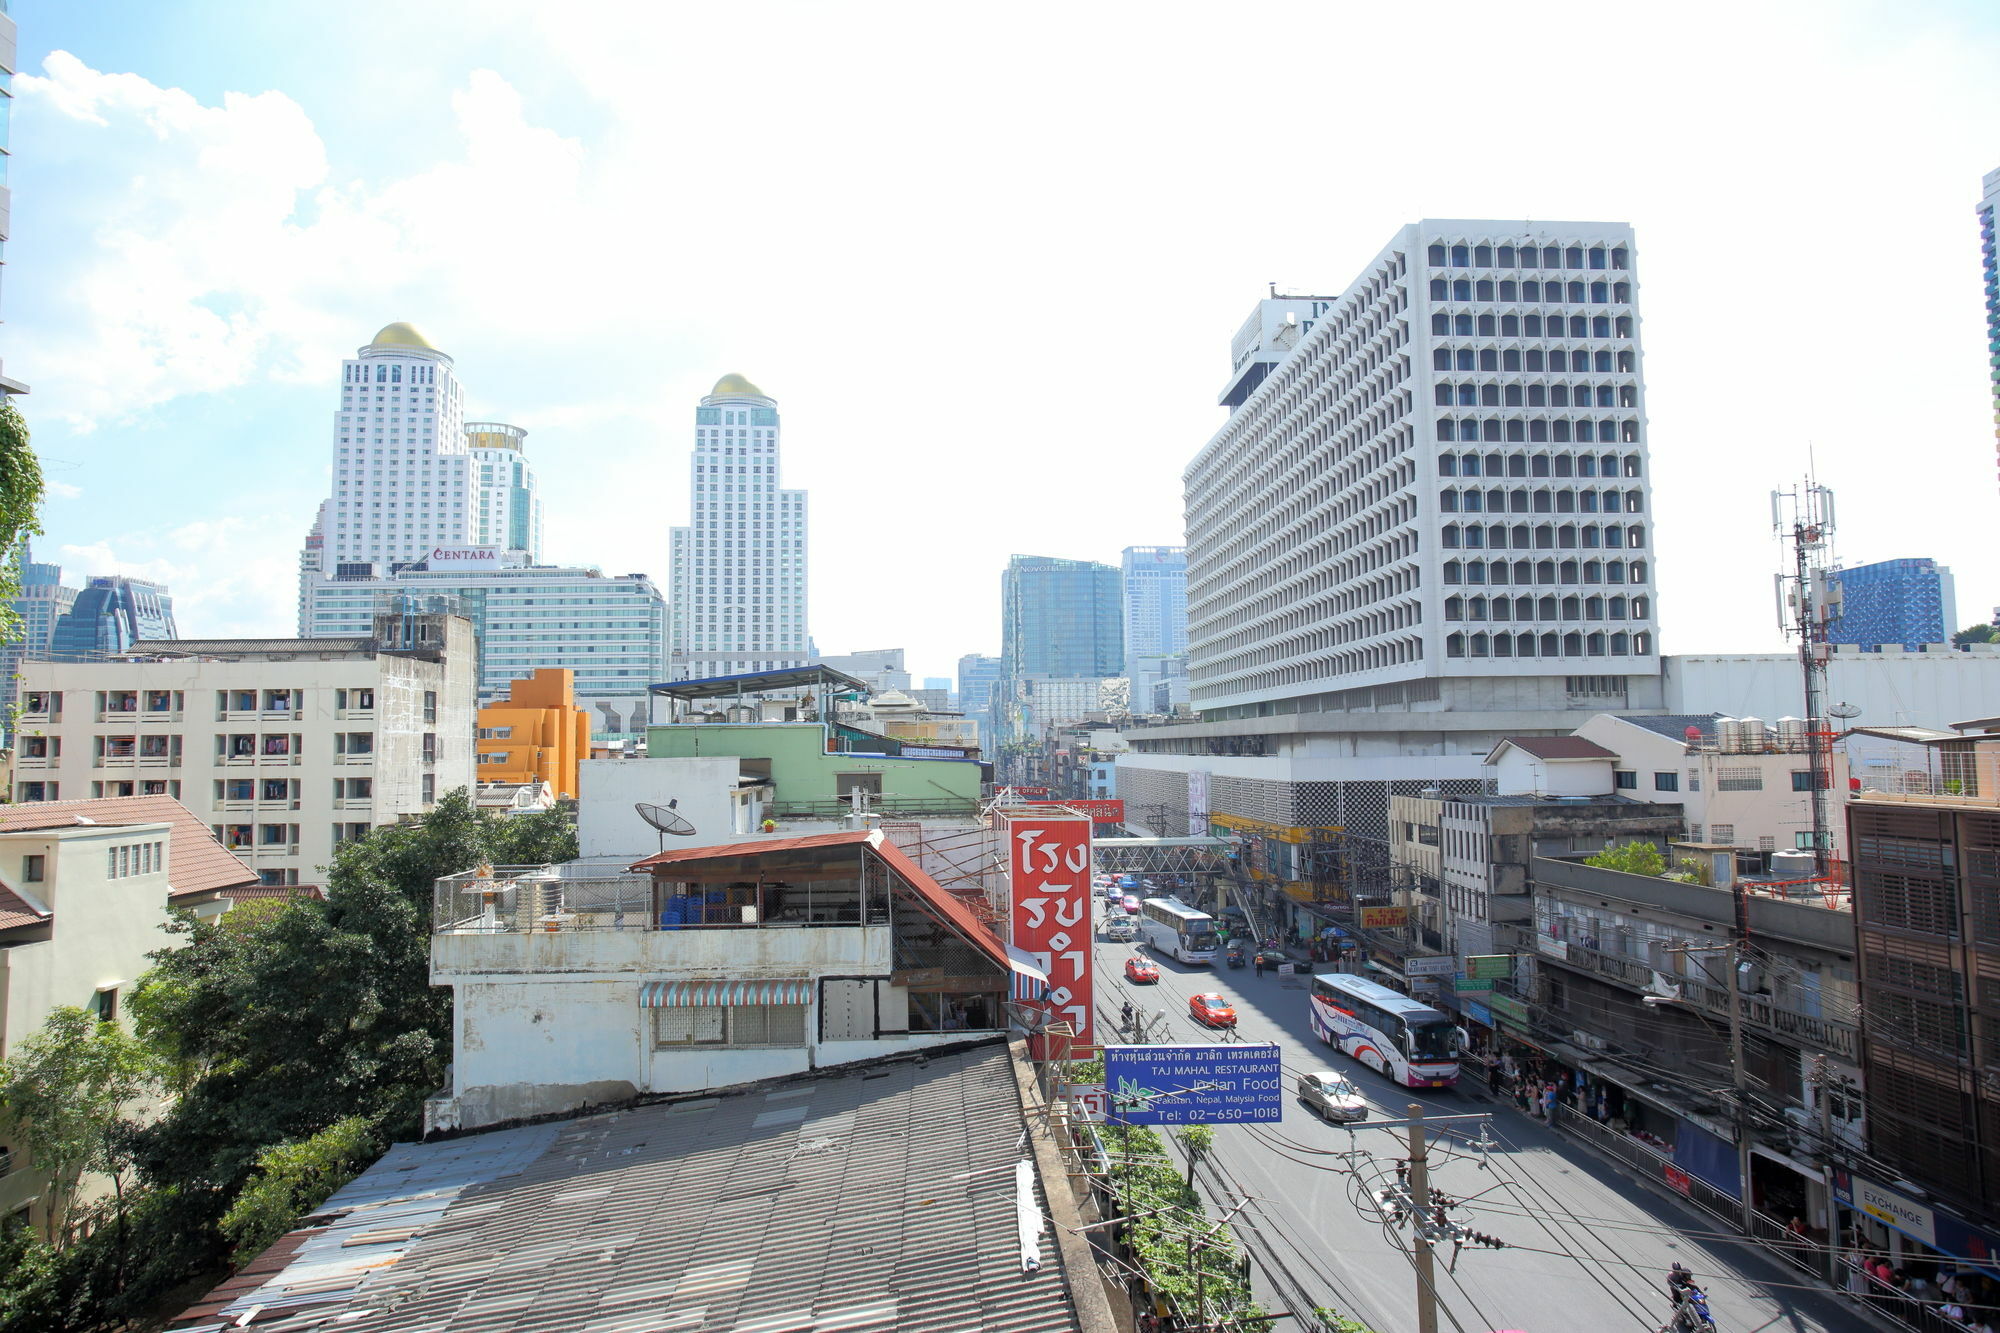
<point>537,733</point>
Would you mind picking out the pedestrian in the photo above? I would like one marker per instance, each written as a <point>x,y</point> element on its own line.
<point>1549,1103</point>
<point>1257,963</point>
<point>1493,1076</point>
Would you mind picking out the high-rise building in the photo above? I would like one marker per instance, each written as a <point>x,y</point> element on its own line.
<point>882,668</point>
<point>1907,603</point>
<point>1989,263</point>
<point>1155,600</point>
<point>739,566</point>
<point>509,512</point>
<point>41,600</point>
<point>404,480</point>
<point>8,43</point>
<point>976,677</point>
<point>1424,526</point>
<point>109,615</point>
<point>611,632</point>
<point>1060,619</point>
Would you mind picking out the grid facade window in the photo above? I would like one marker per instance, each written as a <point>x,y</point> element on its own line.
<point>1434,424</point>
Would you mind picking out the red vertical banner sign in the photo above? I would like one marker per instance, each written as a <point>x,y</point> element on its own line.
<point>1049,917</point>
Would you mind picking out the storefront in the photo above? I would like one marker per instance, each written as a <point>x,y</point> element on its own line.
<point>1913,1231</point>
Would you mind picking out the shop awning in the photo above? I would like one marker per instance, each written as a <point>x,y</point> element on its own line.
<point>682,994</point>
<point>1022,963</point>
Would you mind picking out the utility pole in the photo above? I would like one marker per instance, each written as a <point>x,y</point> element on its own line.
<point>1420,1202</point>
<point>1822,1082</point>
<point>1741,1075</point>
<point>1808,598</point>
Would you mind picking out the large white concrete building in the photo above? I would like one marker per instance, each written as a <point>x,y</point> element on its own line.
<point>410,477</point>
<point>285,748</point>
<point>1425,525</point>
<point>739,566</point>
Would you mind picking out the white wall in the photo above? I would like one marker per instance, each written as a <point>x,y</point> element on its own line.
<point>1520,773</point>
<point>1892,689</point>
<point>607,824</point>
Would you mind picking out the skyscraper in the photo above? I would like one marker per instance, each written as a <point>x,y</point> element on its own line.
<point>739,566</point>
<point>1907,603</point>
<point>1060,619</point>
<point>1989,264</point>
<point>41,600</point>
<point>976,675</point>
<point>8,43</point>
<point>109,615</point>
<point>1154,580</point>
<point>403,475</point>
<point>509,512</point>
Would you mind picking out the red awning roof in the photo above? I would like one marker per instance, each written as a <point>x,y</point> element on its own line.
<point>196,862</point>
<point>18,911</point>
<point>955,912</point>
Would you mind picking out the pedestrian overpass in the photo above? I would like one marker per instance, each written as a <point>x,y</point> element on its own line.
<point>1161,856</point>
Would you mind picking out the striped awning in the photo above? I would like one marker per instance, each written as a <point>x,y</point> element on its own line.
<point>681,994</point>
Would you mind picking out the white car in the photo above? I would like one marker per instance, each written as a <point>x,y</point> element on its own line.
<point>1332,1096</point>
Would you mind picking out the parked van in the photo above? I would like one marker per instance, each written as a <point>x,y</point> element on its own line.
<point>1120,928</point>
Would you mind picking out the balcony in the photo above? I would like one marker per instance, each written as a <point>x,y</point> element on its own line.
<point>351,759</point>
<point>28,761</point>
<point>354,714</point>
<point>162,715</point>
<point>1759,1011</point>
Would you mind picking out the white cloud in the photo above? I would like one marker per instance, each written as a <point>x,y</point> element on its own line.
<point>63,490</point>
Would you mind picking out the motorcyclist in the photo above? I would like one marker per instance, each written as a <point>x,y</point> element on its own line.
<point>1689,1300</point>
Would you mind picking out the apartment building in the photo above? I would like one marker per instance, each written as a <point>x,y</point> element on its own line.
<point>285,747</point>
<point>537,734</point>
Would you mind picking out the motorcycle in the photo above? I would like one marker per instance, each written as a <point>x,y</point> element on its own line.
<point>1691,1313</point>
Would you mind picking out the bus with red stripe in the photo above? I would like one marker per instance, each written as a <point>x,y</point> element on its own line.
<point>1391,1033</point>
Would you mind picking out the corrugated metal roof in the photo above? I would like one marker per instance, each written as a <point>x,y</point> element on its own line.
<point>878,1199</point>
<point>1555,747</point>
<point>756,847</point>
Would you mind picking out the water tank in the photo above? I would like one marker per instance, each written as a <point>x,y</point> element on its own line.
<point>742,713</point>
<point>1791,734</point>
<point>1749,735</point>
<point>1792,865</point>
<point>1725,734</point>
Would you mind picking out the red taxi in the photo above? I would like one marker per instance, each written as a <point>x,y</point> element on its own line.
<point>1212,1009</point>
<point>1141,970</point>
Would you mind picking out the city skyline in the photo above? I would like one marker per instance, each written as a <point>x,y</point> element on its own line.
<point>373,217</point>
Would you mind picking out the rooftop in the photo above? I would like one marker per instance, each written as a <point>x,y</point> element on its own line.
<point>196,862</point>
<point>1555,747</point>
<point>885,1197</point>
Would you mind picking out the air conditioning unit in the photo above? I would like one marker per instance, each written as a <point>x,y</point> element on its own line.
<point>1590,1041</point>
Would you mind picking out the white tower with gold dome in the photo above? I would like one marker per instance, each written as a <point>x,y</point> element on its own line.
<point>739,566</point>
<point>403,480</point>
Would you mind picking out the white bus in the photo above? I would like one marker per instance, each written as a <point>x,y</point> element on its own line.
<point>1403,1039</point>
<point>1171,927</point>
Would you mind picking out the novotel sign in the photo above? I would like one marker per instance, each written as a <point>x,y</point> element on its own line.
<point>464,557</point>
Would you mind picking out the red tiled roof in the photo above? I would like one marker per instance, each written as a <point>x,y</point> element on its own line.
<point>1558,747</point>
<point>197,863</point>
<point>955,911</point>
<point>18,911</point>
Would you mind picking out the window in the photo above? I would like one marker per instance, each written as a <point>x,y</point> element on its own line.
<point>1722,833</point>
<point>429,790</point>
<point>1802,780</point>
<point>354,698</point>
<point>1625,779</point>
<point>496,733</point>
<point>355,742</point>
<point>430,706</point>
<point>1739,779</point>
<point>844,784</point>
<point>277,789</point>
<point>107,1005</point>
<point>34,868</point>
<point>1766,843</point>
<point>1694,779</point>
<point>430,747</point>
<point>1694,833</point>
<point>272,835</point>
<point>730,1025</point>
<point>277,745</point>
<point>239,789</point>
<point>1666,782</point>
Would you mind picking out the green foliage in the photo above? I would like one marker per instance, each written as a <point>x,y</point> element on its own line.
<point>1975,634</point>
<point>20,500</point>
<point>1693,870</point>
<point>1188,1260</point>
<point>1634,858</point>
<point>300,1037</point>
<point>67,1090</point>
<point>293,1179</point>
<point>1196,1140</point>
<point>1332,1321</point>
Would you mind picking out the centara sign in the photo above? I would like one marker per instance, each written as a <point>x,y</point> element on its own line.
<point>1048,881</point>
<point>464,557</point>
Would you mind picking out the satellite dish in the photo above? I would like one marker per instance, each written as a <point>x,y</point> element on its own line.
<point>1843,711</point>
<point>666,819</point>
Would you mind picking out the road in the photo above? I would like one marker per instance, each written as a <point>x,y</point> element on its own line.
<point>1589,1247</point>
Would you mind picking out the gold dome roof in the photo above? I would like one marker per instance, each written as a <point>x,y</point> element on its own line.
<point>401,334</point>
<point>736,386</point>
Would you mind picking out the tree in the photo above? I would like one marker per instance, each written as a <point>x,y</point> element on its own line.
<point>20,500</point>
<point>1975,634</point>
<point>67,1091</point>
<point>1634,858</point>
<point>1196,1140</point>
<point>293,1179</point>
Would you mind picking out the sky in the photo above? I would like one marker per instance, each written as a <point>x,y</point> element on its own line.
<point>988,259</point>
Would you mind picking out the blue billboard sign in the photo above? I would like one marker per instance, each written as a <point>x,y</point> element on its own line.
<point>1194,1085</point>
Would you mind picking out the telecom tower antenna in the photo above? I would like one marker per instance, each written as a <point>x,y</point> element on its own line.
<point>1808,601</point>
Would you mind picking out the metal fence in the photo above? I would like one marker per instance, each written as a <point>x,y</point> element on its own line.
<point>521,899</point>
<point>1653,1164</point>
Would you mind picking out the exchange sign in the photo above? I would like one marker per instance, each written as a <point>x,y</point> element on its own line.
<point>1194,1085</point>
